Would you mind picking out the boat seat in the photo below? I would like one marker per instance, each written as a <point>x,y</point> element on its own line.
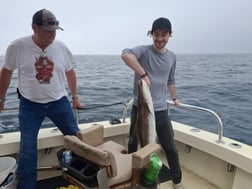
<point>117,169</point>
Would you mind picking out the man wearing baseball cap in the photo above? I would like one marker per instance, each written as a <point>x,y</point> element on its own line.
<point>43,63</point>
<point>156,65</point>
<point>46,19</point>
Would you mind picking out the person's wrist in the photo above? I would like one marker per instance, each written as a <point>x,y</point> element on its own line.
<point>75,97</point>
<point>174,99</point>
<point>2,100</point>
<point>144,75</point>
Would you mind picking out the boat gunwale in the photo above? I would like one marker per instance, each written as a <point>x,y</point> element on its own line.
<point>203,140</point>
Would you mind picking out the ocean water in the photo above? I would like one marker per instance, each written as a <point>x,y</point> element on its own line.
<point>219,82</point>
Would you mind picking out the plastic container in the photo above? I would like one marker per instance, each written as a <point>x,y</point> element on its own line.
<point>151,174</point>
<point>82,170</point>
<point>8,167</point>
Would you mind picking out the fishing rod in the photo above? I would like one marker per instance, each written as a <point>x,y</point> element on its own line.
<point>10,110</point>
<point>84,108</point>
<point>105,105</point>
<point>125,109</point>
<point>100,106</point>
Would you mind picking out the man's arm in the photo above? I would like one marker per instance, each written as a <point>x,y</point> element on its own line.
<point>172,91</point>
<point>5,79</point>
<point>72,83</point>
<point>132,62</point>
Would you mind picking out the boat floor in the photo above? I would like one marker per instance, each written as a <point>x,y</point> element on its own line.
<point>190,181</point>
<point>52,183</point>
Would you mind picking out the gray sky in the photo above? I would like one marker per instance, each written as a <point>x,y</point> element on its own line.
<point>106,27</point>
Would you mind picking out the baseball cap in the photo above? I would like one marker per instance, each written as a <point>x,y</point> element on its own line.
<point>46,20</point>
<point>161,23</point>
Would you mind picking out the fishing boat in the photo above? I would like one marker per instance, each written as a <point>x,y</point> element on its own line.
<point>209,160</point>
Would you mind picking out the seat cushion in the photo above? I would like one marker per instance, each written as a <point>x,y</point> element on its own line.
<point>109,145</point>
<point>86,151</point>
<point>124,169</point>
<point>122,164</point>
<point>92,135</point>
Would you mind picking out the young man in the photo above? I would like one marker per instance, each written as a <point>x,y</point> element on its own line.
<point>43,63</point>
<point>156,65</point>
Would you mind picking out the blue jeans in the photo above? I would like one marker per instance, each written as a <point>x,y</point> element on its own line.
<point>31,115</point>
<point>166,138</point>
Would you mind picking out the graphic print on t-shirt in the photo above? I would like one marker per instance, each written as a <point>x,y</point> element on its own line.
<point>44,68</point>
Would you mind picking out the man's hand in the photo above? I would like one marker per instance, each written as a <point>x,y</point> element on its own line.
<point>77,104</point>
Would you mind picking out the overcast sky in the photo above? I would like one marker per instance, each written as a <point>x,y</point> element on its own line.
<point>108,26</point>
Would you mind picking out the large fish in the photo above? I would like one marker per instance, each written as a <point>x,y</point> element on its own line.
<point>145,127</point>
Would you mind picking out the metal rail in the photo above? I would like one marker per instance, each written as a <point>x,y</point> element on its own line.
<point>128,103</point>
<point>215,115</point>
<point>181,105</point>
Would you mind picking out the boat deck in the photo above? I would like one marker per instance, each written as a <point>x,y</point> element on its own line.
<point>190,180</point>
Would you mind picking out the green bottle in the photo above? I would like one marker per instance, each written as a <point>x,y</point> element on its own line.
<point>151,174</point>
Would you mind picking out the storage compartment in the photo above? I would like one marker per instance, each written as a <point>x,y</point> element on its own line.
<point>78,164</point>
<point>81,169</point>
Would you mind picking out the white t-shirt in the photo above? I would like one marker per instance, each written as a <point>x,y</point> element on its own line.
<point>41,74</point>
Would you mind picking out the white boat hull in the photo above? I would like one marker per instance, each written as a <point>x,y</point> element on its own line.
<point>212,164</point>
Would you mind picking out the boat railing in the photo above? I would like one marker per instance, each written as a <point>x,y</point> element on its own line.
<point>204,110</point>
<point>129,103</point>
<point>187,106</point>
